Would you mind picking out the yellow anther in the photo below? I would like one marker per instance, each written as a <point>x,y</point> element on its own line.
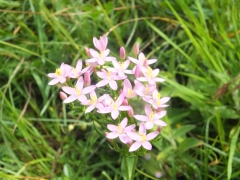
<point>58,72</point>
<point>119,129</point>
<point>78,91</point>
<point>143,137</point>
<point>115,106</point>
<point>130,92</point>
<point>151,116</point>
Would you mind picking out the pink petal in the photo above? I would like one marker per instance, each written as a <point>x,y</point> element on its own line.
<point>133,60</point>
<point>70,99</point>
<point>155,72</point>
<point>94,53</point>
<point>126,64</point>
<point>112,135</point>
<point>93,94</point>
<point>124,122</point>
<point>114,114</point>
<point>134,136</point>
<point>112,127</point>
<point>147,145</point>
<point>52,75</point>
<point>102,97</point>
<point>89,109</point>
<point>124,138</point>
<point>141,117</point>
<point>96,42</point>
<point>113,85</point>
<point>79,65</point>
<point>124,108</point>
<point>149,125</point>
<point>160,123</point>
<point>102,83</point>
<point>159,79</point>
<point>160,114</point>
<point>142,79</point>
<point>120,99</point>
<point>68,90</point>
<point>142,128</point>
<point>105,53</point>
<point>110,58</point>
<point>116,64</point>
<point>88,89</point>
<point>101,75</point>
<point>129,128</point>
<point>62,80</point>
<point>164,100</point>
<point>151,61</point>
<point>135,146</point>
<point>54,81</point>
<point>152,135</point>
<point>79,84</point>
<point>82,98</point>
<point>148,109</point>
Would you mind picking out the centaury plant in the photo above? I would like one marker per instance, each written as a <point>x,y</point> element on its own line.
<point>104,87</point>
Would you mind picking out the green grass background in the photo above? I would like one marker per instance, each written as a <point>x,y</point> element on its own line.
<point>197,45</point>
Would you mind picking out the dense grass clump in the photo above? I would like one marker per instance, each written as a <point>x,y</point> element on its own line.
<point>197,46</point>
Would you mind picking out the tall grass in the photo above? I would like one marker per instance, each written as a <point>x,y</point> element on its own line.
<point>197,46</point>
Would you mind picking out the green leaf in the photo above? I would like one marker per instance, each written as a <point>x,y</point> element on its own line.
<point>182,130</point>
<point>189,143</point>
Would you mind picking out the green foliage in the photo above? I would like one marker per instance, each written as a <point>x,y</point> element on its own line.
<point>197,46</point>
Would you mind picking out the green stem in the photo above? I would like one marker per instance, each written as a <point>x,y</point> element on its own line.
<point>128,166</point>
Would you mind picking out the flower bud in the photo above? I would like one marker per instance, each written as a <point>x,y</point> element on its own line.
<point>62,95</point>
<point>130,112</point>
<point>158,109</point>
<point>88,52</point>
<point>122,53</point>
<point>138,72</point>
<point>87,79</point>
<point>125,102</point>
<point>136,49</point>
<point>159,129</point>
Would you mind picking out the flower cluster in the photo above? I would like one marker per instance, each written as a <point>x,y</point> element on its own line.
<point>129,81</point>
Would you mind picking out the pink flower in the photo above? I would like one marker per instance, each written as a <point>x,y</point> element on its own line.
<point>114,107</point>
<point>101,57</point>
<point>150,75</point>
<point>144,91</point>
<point>120,131</point>
<point>142,138</point>
<point>137,71</point>
<point>121,68</point>
<point>60,74</point>
<point>152,117</point>
<point>94,102</point>
<point>158,102</point>
<point>141,60</point>
<point>78,92</point>
<point>127,89</point>
<point>76,72</point>
<point>108,78</point>
<point>101,44</point>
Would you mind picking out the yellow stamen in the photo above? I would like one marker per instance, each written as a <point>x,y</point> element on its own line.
<point>119,129</point>
<point>58,72</point>
<point>151,116</point>
<point>130,92</point>
<point>143,137</point>
<point>115,106</point>
<point>149,72</point>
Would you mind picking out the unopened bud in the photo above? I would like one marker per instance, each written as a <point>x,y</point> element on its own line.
<point>136,49</point>
<point>130,112</point>
<point>88,52</point>
<point>159,129</point>
<point>129,142</point>
<point>62,95</point>
<point>125,102</point>
<point>122,53</point>
<point>87,79</point>
<point>121,91</point>
<point>158,174</point>
<point>138,72</point>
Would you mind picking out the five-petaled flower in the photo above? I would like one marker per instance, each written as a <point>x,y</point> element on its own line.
<point>142,138</point>
<point>120,131</point>
<point>60,74</point>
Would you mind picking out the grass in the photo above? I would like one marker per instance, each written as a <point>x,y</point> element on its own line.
<point>197,46</point>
